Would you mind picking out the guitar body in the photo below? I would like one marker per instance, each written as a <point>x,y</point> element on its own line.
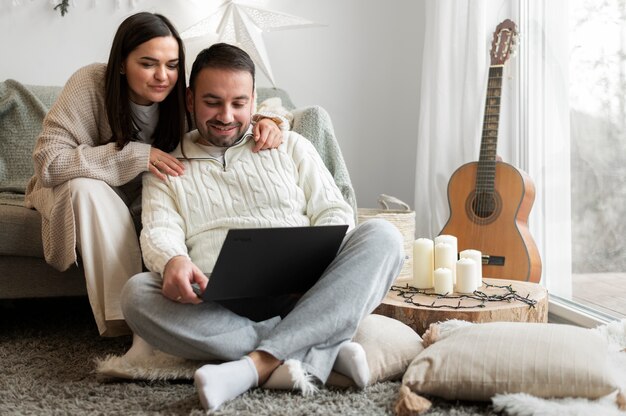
<point>495,223</point>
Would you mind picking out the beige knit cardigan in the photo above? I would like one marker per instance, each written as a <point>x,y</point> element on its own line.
<point>72,144</point>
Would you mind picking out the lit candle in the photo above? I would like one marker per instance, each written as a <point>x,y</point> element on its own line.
<point>445,257</point>
<point>466,275</point>
<point>443,281</point>
<point>423,263</point>
<point>477,256</point>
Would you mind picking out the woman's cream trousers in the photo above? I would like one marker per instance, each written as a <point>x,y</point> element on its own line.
<point>107,241</point>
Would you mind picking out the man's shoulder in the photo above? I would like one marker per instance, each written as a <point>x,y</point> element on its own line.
<point>188,139</point>
<point>295,141</point>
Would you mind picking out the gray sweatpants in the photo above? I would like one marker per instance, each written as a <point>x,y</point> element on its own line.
<point>312,331</point>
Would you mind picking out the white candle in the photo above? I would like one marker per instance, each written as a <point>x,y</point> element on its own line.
<point>450,239</point>
<point>443,281</point>
<point>477,256</point>
<point>445,258</point>
<point>466,276</point>
<point>423,263</point>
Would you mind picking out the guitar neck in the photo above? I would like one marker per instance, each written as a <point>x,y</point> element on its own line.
<point>485,175</point>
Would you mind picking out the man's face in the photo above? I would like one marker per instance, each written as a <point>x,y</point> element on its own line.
<point>221,104</point>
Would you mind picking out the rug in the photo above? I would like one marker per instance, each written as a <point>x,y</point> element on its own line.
<point>48,350</point>
<point>162,367</point>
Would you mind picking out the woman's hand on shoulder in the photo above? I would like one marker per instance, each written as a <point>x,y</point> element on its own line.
<point>267,134</point>
<point>162,164</point>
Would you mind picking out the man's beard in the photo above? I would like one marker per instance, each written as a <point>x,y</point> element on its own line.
<point>222,140</point>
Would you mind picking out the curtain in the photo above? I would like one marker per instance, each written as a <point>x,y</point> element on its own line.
<point>455,63</point>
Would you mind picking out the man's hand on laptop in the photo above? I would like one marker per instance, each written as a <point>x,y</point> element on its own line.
<point>179,275</point>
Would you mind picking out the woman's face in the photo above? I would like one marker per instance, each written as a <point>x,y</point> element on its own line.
<point>152,70</point>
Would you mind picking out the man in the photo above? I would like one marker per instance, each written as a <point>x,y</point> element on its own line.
<point>186,218</point>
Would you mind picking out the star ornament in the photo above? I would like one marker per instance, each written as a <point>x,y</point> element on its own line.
<point>242,24</point>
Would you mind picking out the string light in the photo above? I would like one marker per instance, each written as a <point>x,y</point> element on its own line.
<point>510,295</point>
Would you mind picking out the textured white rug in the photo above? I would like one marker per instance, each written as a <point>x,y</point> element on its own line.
<point>521,404</point>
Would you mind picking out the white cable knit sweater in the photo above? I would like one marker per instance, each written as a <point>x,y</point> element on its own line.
<point>190,215</point>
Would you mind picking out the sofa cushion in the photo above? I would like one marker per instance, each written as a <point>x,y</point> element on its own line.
<point>20,228</point>
<point>22,109</point>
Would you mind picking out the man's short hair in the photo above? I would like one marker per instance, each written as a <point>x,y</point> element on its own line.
<point>221,56</point>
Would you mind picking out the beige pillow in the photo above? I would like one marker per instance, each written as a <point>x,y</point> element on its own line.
<point>476,362</point>
<point>389,347</point>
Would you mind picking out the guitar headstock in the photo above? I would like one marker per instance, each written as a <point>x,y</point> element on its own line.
<point>504,42</point>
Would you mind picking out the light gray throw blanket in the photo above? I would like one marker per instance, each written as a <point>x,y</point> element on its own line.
<point>22,109</point>
<point>314,123</point>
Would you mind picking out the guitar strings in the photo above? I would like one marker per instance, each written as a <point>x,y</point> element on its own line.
<point>485,203</point>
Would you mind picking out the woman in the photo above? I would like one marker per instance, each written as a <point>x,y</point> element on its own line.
<point>110,124</point>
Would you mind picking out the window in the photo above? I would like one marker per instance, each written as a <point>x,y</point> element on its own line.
<point>597,99</point>
<point>572,133</point>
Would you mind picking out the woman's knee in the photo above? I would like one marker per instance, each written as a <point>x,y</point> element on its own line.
<point>89,192</point>
<point>87,186</point>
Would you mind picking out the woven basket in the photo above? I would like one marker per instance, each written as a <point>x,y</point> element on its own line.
<point>404,220</point>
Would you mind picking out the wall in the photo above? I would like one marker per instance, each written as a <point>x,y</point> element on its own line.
<point>362,66</point>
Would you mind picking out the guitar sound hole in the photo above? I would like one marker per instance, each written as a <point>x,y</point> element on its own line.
<point>483,207</point>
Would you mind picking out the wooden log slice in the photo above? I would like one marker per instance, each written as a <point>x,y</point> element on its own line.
<point>433,309</point>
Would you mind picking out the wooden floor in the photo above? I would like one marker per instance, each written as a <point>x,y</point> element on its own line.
<point>605,292</point>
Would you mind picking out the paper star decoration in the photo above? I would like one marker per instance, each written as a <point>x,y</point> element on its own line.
<point>242,24</point>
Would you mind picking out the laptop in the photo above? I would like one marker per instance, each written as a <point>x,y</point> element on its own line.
<point>267,262</point>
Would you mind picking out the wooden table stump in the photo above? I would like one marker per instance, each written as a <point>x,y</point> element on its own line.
<point>420,317</point>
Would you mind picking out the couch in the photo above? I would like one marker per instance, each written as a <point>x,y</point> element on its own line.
<point>23,270</point>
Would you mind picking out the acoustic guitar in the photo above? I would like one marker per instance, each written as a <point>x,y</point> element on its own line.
<point>490,200</point>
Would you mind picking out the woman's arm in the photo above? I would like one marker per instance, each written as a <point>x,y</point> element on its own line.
<point>270,122</point>
<point>75,131</point>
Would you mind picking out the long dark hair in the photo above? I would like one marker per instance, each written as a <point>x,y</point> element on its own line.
<point>170,128</point>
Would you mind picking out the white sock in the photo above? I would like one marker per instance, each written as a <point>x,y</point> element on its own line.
<point>140,350</point>
<point>217,384</point>
<point>352,362</point>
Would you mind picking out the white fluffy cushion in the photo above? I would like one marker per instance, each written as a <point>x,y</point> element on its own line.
<point>475,362</point>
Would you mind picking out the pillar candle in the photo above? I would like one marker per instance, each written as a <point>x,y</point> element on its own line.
<point>445,257</point>
<point>477,256</point>
<point>450,239</point>
<point>466,276</point>
<point>423,263</point>
<point>443,281</point>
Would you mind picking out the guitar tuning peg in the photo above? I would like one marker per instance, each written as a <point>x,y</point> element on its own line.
<point>515,44</point>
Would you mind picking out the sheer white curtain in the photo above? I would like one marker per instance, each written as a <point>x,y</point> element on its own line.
<point>454,75</point>
<point>545,118</point>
